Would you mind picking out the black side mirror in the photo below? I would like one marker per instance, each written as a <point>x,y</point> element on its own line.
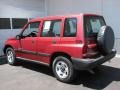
<point>18,37</point>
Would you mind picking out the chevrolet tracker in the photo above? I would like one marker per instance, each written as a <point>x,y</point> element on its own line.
<point>65,43</point>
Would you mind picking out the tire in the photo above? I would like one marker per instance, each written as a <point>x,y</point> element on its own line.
<point>63,69</point>
<point>11,59</point>
<point>105,40</point>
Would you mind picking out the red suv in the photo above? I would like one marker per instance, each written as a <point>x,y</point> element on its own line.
<point>65,43</point>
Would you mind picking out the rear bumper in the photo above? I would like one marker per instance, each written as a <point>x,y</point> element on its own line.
<point>87,64</point>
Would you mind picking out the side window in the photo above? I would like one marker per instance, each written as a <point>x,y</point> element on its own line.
<point>51,28</point>
<point>70,27</point>
<point>31,30</point>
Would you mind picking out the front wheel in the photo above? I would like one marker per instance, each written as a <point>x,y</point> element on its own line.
<point>10,56</point>
<point>63,69</point>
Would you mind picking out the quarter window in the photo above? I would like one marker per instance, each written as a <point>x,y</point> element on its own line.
<point>70,27</point>
<point>51,28</point>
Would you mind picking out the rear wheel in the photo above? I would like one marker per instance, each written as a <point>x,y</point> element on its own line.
<point>11,56</point>
<point>63,69</point>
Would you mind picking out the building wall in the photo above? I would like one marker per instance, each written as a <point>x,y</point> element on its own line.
<point>58,7</point>
<point>19,9</point>
<point>22,8</point>
<point>111,13</point>
<point>108,8</point>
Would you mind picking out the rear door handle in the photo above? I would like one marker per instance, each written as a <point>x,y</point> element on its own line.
<point>53,42</point>
<point>32,41</point>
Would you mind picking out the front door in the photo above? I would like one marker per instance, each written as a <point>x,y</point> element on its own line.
<point>28,41</point>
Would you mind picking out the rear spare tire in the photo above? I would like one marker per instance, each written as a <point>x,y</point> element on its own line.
<point>105,40</point>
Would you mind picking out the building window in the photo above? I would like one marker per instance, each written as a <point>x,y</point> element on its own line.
<point>18,23</point>
<point>5,23</point>
<point>70,27</point>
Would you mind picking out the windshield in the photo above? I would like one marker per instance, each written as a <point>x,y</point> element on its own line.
<point>93,25</point>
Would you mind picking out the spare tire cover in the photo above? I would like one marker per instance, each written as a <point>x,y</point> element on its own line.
<point>105,39</point>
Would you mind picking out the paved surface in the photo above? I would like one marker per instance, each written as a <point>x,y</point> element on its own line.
<point>117,45</point>
<point>29,76</point>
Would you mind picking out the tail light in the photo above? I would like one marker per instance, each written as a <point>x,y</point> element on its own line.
<point>90,48</point>
<point>84,49</point>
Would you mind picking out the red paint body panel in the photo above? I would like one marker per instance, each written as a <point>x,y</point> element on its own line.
<point>39,47</point>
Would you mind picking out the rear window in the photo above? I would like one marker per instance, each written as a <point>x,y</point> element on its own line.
<point>93,25</point>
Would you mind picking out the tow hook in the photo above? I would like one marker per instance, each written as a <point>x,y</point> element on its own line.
<point>91,71</point>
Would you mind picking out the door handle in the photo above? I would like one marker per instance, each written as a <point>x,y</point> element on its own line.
<point>53,42</point>
<point>32,41</point>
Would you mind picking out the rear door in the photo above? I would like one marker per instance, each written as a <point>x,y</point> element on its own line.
<point>70,31</point>
<point>49,39</point>
<point>68,39</point>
